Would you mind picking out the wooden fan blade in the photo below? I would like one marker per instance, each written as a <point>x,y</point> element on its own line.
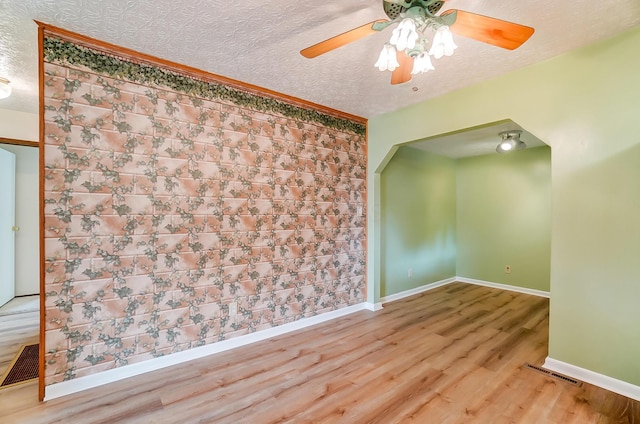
<point>402,73</point>
<point>340,40</point>
<point>507,35</point>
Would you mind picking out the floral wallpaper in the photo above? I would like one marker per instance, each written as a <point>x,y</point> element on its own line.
<point>176,218</point>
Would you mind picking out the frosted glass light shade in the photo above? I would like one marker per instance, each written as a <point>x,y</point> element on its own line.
<point>422,63</point>
<point>405,35</point>
<point>387,61</point>
<point>442,44</point>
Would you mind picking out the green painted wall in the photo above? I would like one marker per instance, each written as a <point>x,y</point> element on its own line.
<point>504,218</point>
<point>586,106</point>
<point>418,220</point>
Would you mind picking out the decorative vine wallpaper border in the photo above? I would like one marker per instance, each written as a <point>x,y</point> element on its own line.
<point>56,50</point>
<point>179,213</point>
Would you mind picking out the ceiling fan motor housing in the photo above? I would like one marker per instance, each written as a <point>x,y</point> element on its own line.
<point>393,10</point>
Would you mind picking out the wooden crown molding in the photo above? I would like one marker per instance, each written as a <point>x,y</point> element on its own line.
<point>133,56</point>
<point>17,142</point>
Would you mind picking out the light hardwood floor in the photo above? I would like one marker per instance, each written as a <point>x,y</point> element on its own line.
<point>451,355</point>
<point>16,329</point>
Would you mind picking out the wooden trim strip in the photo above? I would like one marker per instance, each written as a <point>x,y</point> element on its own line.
<point>42,352</point>
<point>198,74</point>
<point>367,217</point>
<point>16,142</point>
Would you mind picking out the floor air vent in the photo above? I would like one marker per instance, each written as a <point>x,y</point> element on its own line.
<point>554,374</point>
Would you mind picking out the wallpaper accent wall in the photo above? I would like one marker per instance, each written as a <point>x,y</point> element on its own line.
<point>165,210</point>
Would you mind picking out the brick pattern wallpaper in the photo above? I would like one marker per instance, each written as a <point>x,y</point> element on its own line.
<point>164,209</point>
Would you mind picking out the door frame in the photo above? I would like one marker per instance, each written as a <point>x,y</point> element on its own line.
<point>36,144</point>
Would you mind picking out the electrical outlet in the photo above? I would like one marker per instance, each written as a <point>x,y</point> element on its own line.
<point>410,272</point>
<point>233,309</point>
<point>507,269</point>
<point>359,210</point>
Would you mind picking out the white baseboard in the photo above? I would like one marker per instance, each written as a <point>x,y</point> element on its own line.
<point>83,383</point>
<point>411,292</point>
<point>431,286</point>
<point>373,306</point>
<point>609,383</point>
<point>524,290</point>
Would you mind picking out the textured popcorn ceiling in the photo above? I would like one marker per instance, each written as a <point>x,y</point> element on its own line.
<point>259,43</point>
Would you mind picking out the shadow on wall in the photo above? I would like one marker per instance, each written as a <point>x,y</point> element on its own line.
<point>418,220</point>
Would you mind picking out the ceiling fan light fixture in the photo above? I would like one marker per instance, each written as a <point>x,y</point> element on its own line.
<point>410,37</point>
<point>510,142</point>
<point>387,61</point>
<point>5,88</point>
<point>404,36</point>
<point>422,63</point>
<point>443,44</point>
<point>414,19</point>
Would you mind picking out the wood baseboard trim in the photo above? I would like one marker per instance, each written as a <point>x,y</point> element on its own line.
<point>501,286</point>
<point>83,383</point>
<point>608,383</point>
<point>421,289</point>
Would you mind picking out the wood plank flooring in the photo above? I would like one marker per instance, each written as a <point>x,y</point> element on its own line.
<point>17,329</point>
<point>451,355</point>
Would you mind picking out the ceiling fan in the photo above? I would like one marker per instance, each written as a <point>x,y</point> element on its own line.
<point>407,54</point>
